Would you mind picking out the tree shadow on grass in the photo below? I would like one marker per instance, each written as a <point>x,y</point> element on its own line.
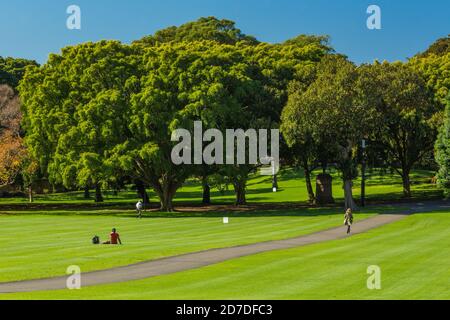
<point>213,211</point>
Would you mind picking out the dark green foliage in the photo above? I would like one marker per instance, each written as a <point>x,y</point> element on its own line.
<point>102,111</point>
<point>443,152</point>
<point>304,40</point>
<point>210,28</point>
<point>12,70</point>
<point>406,115</point>
<point>439,48</point>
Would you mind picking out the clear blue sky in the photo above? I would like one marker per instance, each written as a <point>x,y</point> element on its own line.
<point>34,28</point>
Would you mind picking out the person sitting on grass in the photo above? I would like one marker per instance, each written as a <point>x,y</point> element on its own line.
<point>114,238</point>
<point>348,220</point>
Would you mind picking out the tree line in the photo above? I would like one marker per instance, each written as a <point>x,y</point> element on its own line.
<point>100,114</point>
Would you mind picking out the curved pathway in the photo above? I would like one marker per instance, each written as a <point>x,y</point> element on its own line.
<point>195,260</point>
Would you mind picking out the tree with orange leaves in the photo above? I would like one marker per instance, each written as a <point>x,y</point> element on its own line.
<point>12,153</point>
<point>12,150</point>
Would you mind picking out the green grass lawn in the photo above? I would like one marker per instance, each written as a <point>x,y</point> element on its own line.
<point>380,186</point>
<point>36,246</point>
<point>44,239</point>
<point>413,254</point>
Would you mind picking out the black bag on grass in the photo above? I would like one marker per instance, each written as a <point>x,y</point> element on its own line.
<point>95,240</point>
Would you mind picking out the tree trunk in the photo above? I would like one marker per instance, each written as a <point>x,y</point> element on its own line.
<point>98,194</point>
<point>309,187</point>
<point>406,184</point>
<point>166,200</point>
<point>87,194</point>
<point>30,194</point>
<point>348,193</point>
<point>142,193</point>
<point>166,204</point>
<point>324,189</point>
<point>239,188</point>
<point>206,192</point>
<point>166,190</point>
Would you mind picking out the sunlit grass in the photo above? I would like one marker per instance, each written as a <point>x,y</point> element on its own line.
<point>413,254</point>
<point>40,245</point>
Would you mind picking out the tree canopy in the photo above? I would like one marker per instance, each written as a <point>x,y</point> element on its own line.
<point>101,111</point>
<point>443,151</point>
<point>434,65</point>
<point>407,117</point>
<point>208,28</point>
<point>98,113</point>
<point>439,48</point>
<point>304,40</point>
<point>74,111</point>
<point>12,151</point>
<point>327,112</point>
<point>12,70</point>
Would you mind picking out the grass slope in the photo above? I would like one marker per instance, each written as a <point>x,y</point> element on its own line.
<point>414,256</point>
<point>37,246</point>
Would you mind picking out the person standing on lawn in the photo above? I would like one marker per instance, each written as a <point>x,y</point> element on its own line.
<point>139,208</point>
<point>348,220</point>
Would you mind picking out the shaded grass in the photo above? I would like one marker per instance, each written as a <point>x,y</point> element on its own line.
<point>381,186</point>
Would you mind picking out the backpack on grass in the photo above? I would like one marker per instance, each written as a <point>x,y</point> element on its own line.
<point>95,240</point>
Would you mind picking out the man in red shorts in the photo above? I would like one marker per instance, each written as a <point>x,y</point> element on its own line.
<point>114,238</point>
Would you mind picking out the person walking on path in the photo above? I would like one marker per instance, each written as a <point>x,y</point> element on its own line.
<point>348,220</point>
<point>139,208</point>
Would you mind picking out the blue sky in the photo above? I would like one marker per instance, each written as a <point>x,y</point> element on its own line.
<point>34,28</point>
